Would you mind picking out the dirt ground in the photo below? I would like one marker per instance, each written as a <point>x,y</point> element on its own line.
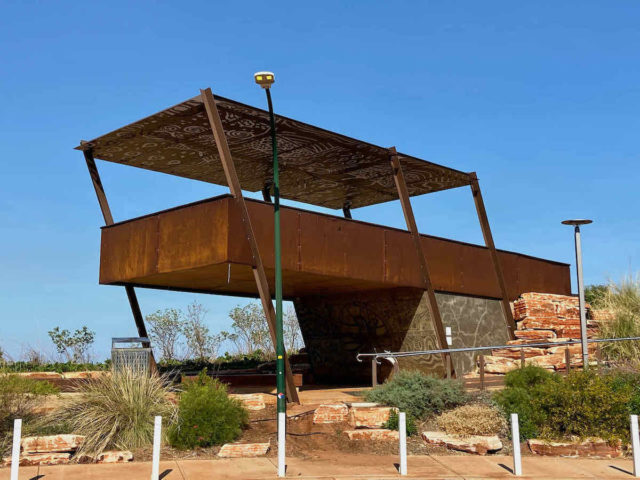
<point>308,441</point>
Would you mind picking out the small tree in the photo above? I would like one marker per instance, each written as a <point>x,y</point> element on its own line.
<point>250,329</point>
<point>165,328</point>
<point>73,346</point>
<point>292,335</point>
<point>200,342</point>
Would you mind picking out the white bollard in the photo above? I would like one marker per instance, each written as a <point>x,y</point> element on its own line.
<point>155,459</point>
<point>515,436</point>
<point>15,452</point>
<point>402,427</point>
<point>282,425</point>
<point>635,444</point>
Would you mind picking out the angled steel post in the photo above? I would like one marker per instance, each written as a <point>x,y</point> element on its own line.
<point>497,267</point>
<point>108,220</point>
<point>258,267</point>
<point>434,311</point>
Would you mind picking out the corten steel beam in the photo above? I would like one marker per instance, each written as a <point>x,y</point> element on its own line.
<point>434,311</point>
<point>258,267</point>
<point>497,267</point>
<point>108,220</point>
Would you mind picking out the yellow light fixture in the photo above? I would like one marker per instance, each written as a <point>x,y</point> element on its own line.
<point>264,79</point>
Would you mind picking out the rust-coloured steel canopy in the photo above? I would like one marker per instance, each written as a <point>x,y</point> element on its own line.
<point>316,166</point>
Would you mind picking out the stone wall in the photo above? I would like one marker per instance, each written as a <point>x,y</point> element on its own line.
<point>337,327</point>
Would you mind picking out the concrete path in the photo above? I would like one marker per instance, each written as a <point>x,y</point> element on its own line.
<point>345,467</point>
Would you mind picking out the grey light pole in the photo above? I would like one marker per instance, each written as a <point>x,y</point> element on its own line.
<point>583,316</point>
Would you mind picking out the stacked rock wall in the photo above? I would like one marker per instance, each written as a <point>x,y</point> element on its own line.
<point>541,318</point>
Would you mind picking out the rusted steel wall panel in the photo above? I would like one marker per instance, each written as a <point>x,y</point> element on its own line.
<point>320,252</point>
<point>193,237</point>
<point>129,250</point>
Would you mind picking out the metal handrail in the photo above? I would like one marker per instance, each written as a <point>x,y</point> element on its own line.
<point>377,355</point>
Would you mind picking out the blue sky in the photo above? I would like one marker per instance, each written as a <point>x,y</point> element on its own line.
<point>540,98</point>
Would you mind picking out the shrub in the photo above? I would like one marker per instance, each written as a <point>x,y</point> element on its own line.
<point>623,299</point>
<point>394,423</point>
<point>117,411</point>
<point>473,420</point>
<point>418,394</point>
<point>207,416</point>
<point>19,396</point>
<point>583,404</point>
<point>527,377</point>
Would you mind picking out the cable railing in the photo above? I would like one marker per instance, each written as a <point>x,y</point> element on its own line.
<point>393,357</point>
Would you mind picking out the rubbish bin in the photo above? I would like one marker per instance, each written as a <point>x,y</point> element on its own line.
<point>125,353</point>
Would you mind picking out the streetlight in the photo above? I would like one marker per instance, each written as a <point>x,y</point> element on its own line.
<point>265,80</point>
<point>583,317</point>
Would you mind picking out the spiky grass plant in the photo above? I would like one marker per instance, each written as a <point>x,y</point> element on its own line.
<point>623,300</point>
<point>117,410</point>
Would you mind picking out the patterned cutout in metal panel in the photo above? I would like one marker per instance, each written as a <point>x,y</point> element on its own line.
<point>317,166</point>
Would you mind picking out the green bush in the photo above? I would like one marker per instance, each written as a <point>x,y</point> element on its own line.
<point>207,416</point>
<point>418,394</point>
<point>117,411</point>
<point>394,423</point>
<point>19,396</point>
<point>59,367</point>
<point>583,404</point>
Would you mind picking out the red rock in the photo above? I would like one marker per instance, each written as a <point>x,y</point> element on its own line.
<point>40,375</point>
<point>368,416</point>
<point>493,364</point>
<point>544,305</point>
<point>254,401</point>
<point>237,450</point>
<point>547,361</point>
<point>535,334</point>
<point>333,413</point>
<point>374,434</point>
<point>51,443</point>
<point>595,447</point>
<point>118,456</point>
<point>514,353</point>
<point>83,375</point>
<point>478,444</point>
<point>40,459</point>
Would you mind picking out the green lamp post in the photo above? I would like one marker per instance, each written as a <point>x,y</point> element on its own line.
<point>265,80</point>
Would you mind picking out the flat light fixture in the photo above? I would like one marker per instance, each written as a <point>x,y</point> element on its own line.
<point>264,79</point>
<point>577,221</point>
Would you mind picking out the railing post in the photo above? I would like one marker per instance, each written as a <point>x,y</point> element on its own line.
<point>15,451</point>
<point>635,444</point>
<point>522,358</point>
<point>567,360</point>
<point>155,459</point>
<point>449,343</point>
<point>374,372</point>
<point>402,427</point>
<point>481,359</point>
<point>515,436</point>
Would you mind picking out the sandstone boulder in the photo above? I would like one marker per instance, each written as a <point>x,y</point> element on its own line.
<point>331,413</point>
<point>365,416</point>
<point>35,459</point>
<point>540,335</point>
<point>595,447</point>
<point>493,364</point>
<point>118,456</point>
<point>478,444</point>
<point>237,450</point>
<point>51,443</point>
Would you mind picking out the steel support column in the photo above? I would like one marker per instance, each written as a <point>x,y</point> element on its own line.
<point>497,267</point>
<point>258,267</point>
<point>434,310</point>
<point>108,220</point>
